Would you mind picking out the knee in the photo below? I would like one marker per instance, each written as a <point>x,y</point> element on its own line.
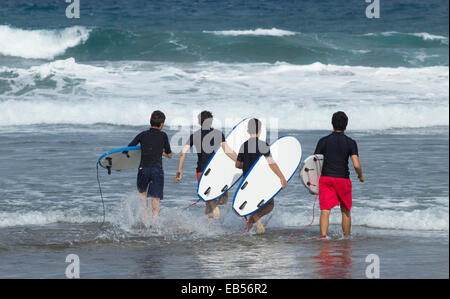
<point>324,212</point>
<point>345,211</point>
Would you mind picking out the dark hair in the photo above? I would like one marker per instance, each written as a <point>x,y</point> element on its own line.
<point>205,116</point>
<point>254,126</point>
<point>339,121</point>
<point>157,118</point>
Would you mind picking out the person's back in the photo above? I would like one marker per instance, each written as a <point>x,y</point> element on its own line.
<point>205,141</point>
<point>153,143</point>
<point>335,187</point>
<point>337,148</point>
<point>250,152</point>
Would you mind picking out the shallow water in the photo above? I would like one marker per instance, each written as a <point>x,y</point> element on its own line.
<point>51,207</point>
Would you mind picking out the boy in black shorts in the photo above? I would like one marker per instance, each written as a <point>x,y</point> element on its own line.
<point>206,140</point>
<point>249,153</point>
<point>150,178</point>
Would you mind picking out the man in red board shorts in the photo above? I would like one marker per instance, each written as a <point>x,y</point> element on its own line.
<point>335,187</point>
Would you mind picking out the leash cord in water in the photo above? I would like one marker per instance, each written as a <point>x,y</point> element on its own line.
<point>246,227</point>
<point>312,221</point>
<point>101,196</point>
<point>190,205</point>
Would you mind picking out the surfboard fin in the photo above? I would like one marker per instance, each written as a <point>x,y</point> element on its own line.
<point>245,185</point>
<point>224,188</point>
<point>109,165</point>
<point>208,171</point>
<point>207,191</point>
<point>260,203</point>
<point>243,205</point>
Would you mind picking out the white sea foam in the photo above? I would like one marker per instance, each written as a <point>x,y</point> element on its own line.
<point>298,96</point>
<point>423,35</point>
<point>8,219</point>
<point>433,218</point>
<point>44,44</point>
<point>405,218</point>
<point>259,32</point>
<point>428,36</point>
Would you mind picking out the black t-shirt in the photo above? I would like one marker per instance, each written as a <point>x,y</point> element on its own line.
<point>153,143</point>
<point>336,149</point>
<point>250,151</point>
<point>206,142</point>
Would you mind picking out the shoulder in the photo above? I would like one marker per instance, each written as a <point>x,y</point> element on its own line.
<point>216,132</point>
<point>143,133</point>
<point>324,138</point>
<point>263,143</point>
<point>350,140</point>
<point>162,134</point>
<point>243,146</point>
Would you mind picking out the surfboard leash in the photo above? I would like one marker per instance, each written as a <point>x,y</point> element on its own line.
<point>312,221</point>
<point>314,204</point>
<point>101,196</point>
<point>191,205</point>
<point>246,226</point>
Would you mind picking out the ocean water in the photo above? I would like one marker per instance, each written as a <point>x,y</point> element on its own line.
<point>72,89</point>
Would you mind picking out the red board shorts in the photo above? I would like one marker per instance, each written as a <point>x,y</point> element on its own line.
<point>335,191</point>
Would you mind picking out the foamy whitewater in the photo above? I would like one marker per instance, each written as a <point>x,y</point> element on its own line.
<point>72,89</point>
<point>305,95</point>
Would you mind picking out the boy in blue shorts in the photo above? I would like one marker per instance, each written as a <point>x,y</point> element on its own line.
<point>150,178</point>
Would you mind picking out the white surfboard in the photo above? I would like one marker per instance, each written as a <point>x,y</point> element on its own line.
<point>310,172</point>
<point>121,158</point>
<point>220,174</point>
<point>261,184</point>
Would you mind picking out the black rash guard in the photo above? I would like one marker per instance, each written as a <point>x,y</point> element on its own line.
<point>336,149</point>
<point>153,143</point>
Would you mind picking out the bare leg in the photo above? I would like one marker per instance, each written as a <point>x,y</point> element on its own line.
<point>212,210</point>
<point>256,217</point>
<point>346,220</point>
<point>324,222</point>
<point>155,207</point>
<point>144,205</point>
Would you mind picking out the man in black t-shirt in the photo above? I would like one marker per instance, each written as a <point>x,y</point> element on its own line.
<point>206,141</point>
<point>150,179</point>
<point>335,187</point>
<point>249,153</point>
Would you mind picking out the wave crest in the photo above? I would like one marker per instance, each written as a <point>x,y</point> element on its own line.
<point>40,44</point>
<point>257,32</point>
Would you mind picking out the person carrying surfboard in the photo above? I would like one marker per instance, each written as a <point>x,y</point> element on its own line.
<point>150,178</point>
<point>335,187</point>
<point>249,153</point>
<point>206,140</point>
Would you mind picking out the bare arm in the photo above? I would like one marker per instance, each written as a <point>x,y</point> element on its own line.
<point>179,174</point>
<point>239,164</point>
<point>274,166</point>
<point>358,168</point>
<point>229,151</point>
<point>167,155</point>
